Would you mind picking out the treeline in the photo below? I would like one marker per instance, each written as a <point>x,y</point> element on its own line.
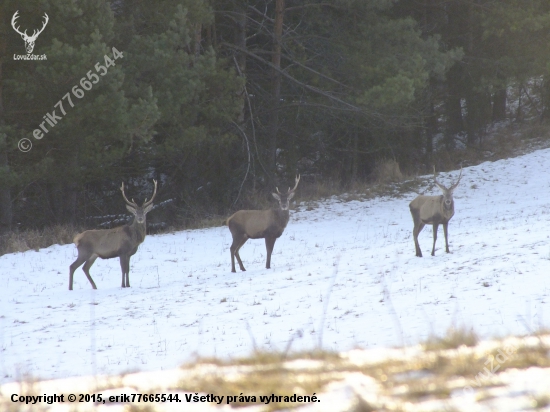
<point>221,100</point>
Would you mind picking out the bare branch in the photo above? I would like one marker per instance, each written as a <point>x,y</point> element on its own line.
<point>288,76</point>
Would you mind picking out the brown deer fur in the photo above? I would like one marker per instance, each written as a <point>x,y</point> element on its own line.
<point>433,210</point>
<point>260,224</point>
<point>121,242</point>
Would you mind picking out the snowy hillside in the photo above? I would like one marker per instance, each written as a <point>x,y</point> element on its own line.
<point>344,275</point>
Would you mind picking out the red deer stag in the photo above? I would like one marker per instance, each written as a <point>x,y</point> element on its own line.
<point>433,210</point>
<point>121,242</point>
<point>260,224</point>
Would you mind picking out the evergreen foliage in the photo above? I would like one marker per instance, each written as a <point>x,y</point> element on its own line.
<point>219,100</point>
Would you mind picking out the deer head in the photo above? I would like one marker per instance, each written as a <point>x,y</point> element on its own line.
<point>284,198</point>
<point>447,192</point>
<point>139,211</point>
<point>29,40</point>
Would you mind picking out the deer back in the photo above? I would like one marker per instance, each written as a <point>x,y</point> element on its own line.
<point>257,224</point>
<point>109,243</point>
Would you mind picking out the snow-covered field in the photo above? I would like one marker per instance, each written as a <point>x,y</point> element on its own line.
<point>343,275</point>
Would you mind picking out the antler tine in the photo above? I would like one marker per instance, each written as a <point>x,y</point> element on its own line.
<point>277,189</point>
<point>36,32</point>
<point>147,203</point>
<point>133,204</point>
<point>458,181</point>
<point>297,180</point>
<point>13,19</point>
<point>435,179</point>
<point>44,24</point>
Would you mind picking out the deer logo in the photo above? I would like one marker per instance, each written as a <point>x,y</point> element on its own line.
<point>29,40</point>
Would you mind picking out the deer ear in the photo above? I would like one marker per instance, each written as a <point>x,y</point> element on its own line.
<point>131,209</point>
<point>148,208</point>
<point>291,195</point>
<point>276,196</point>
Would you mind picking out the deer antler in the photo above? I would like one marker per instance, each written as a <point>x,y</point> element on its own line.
<point>453,187</point>
<point>290,190</point>
<point>458,181</point>
<point>437,183</point>
<point>37,32</point>
<point>147,203</point>
<point>15,17</point>
<point>133,204</point>
<point>297,180</point>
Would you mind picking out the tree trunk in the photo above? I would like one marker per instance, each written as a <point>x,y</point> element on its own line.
<point>70,188</point>
<point>355,156</point>
<point>276,89</point>
<point>430,119</point>
<point>546,98</point>
<point>499,105</point>
<point>198,39</point>
<point>6,213</point>
<point>240,57</point>
<point>453,107</point>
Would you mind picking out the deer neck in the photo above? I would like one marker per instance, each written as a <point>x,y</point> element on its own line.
<point>281,217</point>
<point>139,230</point>
<point>448,212</point>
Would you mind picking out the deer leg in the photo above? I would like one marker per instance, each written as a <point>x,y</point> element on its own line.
<point>124,267</point>
<point>74,266</point>
<point>417,229</point>
<point>239,246</point>
<point>269,243</point>
<point>87,267</point>
<point>234,249</point>
<point>436,225</point>
<point>128,272</point>
<point>445,233</point>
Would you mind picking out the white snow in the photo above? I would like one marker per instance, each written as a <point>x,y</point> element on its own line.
<point>344,275</point>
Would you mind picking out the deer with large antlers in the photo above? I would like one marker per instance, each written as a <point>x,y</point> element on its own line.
<point>29,40</point>
<point>260,224</point>
<point>121,242</point>
<point>433,210</point>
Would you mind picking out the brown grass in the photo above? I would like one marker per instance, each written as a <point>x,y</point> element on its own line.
<point>35,239</point>
<point>428,376</point>
<point>260,357</point>
<point>387,171</point>
<point>454,338</point>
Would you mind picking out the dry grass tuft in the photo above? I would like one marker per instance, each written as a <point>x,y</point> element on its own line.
<point>263,374</point>
<point>454,338</point>
<point>35,239</point>
<point>387,171</point>
<point>261,358</point>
